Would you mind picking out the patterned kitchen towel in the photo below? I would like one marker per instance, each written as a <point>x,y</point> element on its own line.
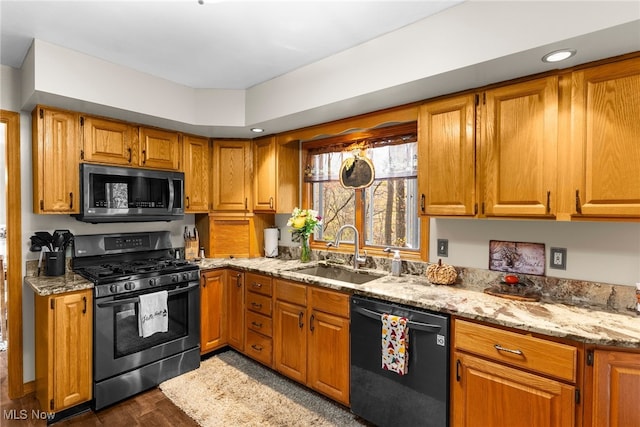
<point>395,343</point>
<point>153,315</point>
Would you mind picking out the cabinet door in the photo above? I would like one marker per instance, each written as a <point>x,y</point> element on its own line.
<point>264,178</point>
<point>616,389</point>
<point>108,141</point>
<point>72,342</point>
<point>490,394</point>
<point>235,323</point>
<point>329,355</point>
<point>56,158</point>
<point>212,310</point>
<point>446,157</point>
<point>231,175</point>
<point>290,340</point>
<point>606,135</point>
<point>519,149</point>
<point>159,149</point>
<point>196,174</point>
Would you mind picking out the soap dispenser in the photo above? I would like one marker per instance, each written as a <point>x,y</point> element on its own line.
<point>396,264</point>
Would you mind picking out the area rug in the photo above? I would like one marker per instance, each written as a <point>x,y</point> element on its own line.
<point>230,389</point>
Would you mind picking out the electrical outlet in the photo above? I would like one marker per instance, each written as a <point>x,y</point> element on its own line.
<point>443,247</point>
<point>558,259</point>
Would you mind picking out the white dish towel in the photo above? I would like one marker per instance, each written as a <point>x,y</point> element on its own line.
<point>153,315</point>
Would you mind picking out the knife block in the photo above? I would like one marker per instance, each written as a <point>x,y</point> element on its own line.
<point>191,247</point>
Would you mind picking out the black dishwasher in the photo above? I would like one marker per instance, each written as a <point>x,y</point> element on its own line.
<point>385,398</point>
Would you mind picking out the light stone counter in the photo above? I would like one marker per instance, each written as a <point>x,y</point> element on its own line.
<point>579,323</point>
<point>69,282</point>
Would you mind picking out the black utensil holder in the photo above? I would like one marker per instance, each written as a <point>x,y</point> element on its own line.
<point>54,263</point>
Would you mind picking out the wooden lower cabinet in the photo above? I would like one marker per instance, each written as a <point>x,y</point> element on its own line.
<point>235,309</point>
<point>290,335</point>
<point>501,377</point>
<point>258,342</point>
<point>490,394</point>
<point>311,337</point>
<point>64,325</point>
<point>615,399</point>
<point>213,307</point>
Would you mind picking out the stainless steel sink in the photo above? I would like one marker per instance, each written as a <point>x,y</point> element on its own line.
<point>342,274</point>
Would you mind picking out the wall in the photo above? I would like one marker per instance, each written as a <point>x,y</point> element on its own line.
<point>607,252</point>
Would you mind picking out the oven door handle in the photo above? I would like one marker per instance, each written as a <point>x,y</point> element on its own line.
<point>426,327</point>
<point>136,299</point>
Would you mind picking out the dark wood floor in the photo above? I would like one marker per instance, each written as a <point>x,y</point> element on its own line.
<point>151,408</point>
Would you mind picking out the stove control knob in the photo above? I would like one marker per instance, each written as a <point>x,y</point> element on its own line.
<point>113,289</point>
<point>185,276</point>
<point>175,278</point>
<point>129,286</point>
<point>152,282</point>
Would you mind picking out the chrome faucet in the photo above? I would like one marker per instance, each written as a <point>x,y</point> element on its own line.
<point>357,259</point>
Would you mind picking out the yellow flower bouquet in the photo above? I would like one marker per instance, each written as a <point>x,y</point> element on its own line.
<point>303,222</point>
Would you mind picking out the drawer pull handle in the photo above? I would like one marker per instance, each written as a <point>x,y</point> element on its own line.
<point>256,347</point>
<point>508,350</point>
<point>256,305</point>
<point>256,324</point>
<point>256,285</point>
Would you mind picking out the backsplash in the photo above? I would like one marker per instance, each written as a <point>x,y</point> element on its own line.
<point>595,295</point>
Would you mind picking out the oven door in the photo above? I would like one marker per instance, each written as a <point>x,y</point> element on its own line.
<point>117,345</point>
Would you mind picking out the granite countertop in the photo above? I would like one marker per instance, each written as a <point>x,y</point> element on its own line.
<point>579,323</point>
<point>49,285</point>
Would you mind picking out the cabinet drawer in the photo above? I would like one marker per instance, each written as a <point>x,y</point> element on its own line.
<point>259,323</point>
<point>259,303</point>
<point>329,301</point>
<point>535,354</point>
<point>259,347</point>
<point>259,284</point>
<point>291,292</point>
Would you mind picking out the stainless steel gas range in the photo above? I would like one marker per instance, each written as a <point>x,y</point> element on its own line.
<point>124,267</point>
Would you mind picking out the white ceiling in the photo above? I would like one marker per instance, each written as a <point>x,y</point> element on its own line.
<point>299,63</point>
<point>218,44</point>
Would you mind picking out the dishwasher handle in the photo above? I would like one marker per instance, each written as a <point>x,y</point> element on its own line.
<point>426,327</point>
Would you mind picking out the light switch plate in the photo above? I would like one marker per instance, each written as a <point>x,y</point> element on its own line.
<point>558,258</point>
<point>443,247</point>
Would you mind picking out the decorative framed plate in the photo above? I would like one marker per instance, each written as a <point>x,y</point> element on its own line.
<point>356,172</point>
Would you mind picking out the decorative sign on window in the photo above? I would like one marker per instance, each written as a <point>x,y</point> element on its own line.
<point>356,172</point>
<point>516,257</point>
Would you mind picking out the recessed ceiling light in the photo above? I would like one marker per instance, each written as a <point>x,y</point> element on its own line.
<point>257,130</point>
<point>559,55</point>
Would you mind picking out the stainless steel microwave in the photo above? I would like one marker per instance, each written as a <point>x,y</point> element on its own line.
<point>119,194</point>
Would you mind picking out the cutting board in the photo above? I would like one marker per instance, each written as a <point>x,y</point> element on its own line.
<point>526,296</point>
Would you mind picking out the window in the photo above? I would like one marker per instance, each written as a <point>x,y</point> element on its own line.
<point>385,213</point>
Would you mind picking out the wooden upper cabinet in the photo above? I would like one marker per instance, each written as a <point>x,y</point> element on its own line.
<point>108,141</point>
<point>446,157</point>
<point>276,175</point>
<point>159,149</point>
<point>56,159</point>
<point>196,173</point>
<point>519,149</point>
<point>606,140</point>
<point>264,178</point>
<point>232,175</point>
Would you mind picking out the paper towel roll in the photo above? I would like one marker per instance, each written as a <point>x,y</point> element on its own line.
<point>271,242</point>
